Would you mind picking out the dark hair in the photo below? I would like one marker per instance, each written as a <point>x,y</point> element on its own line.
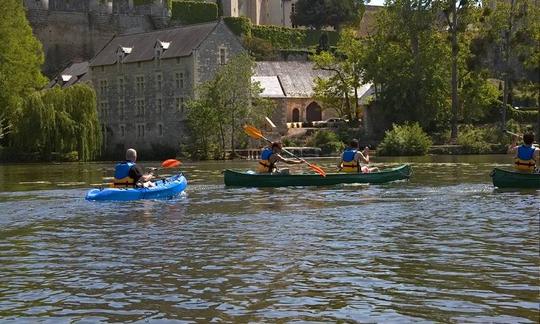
<point>353,143</point>
<point>528,138</point>
<point>276,144</point>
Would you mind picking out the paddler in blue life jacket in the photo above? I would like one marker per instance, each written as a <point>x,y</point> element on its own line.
<point>271,155</point>
<point>526,157</point>
<point>128,174</point>
<point>352,159</point>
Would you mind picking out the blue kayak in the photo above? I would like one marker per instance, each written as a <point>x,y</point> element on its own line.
<point>165,188</point>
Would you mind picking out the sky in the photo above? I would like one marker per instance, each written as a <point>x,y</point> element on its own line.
<point>376,3</point>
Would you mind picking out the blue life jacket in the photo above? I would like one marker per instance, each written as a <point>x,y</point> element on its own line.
<point>349,164</point>
<point>121,174</point>
<point>525,152</point>
<point>264,163</point>
<point>524,160</point>
<point>348,155</point>
<point>266,153</point>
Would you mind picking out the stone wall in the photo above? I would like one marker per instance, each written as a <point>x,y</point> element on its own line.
<point>74,30</point>
<point>208,57</point>
<point>163,118</point>
<point>120,112</point>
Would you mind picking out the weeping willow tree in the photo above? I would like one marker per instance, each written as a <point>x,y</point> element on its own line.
<point>59,121</point>
<point>81,106</point>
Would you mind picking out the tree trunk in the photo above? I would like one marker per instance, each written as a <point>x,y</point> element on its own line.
<point>233,152</point>
<point>506,65</point>
<point>455,52</point>
<point>356,105</point>
<point>538,119</point>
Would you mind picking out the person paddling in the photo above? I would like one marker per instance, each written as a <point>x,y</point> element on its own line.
<point>129,174</point>
<point>352,159</point>
<point>526,156</point>
<point>271,155</point>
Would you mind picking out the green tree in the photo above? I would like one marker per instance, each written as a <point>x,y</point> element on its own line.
<point>21,57</point>
<point>457,16</point>
<point>224,104</point>
<point>82,109</point>
<point>333,13</point>
<point>347,67</point>
<point>508,43</point>
<point>406,139</point>
<point>59,121</point>
<point>405,59</point>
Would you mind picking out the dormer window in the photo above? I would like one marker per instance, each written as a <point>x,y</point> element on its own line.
<point>122,52</point>
<point>65,77</point>
<point>160,47</point>
<point>163,45</point>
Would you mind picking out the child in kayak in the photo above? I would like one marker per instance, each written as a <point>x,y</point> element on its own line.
<point>270,156</point>
<point>526,156</point>
<point>352,159</point>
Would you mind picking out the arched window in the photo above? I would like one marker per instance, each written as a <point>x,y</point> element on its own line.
<point>295,115</point>
<point>313,112</point>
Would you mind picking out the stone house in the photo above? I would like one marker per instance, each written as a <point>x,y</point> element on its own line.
<point>74,73</point>
<point>290,85</point>
<point>143,81</point>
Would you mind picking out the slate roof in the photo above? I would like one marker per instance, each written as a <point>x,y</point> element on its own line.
<point>183,40</point>
<point>74,73</point>
<point>270,85</point>
<point>296,78</point>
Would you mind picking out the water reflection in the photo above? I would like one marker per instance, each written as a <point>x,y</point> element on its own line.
<point>444,246</point>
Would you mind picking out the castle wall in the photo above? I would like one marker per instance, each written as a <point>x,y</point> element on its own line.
<point>73,30</point>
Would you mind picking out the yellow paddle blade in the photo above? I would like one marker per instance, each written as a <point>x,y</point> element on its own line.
<point>317,169</point>
<point>253,132</point>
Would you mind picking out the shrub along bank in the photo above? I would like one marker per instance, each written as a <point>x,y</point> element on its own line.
<point>280,37</point>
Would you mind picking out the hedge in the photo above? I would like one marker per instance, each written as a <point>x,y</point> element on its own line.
<point>280,37</point>
<point>193,12</point>
<point>240,26</point>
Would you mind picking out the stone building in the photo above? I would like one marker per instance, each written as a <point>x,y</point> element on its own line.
<point>144,80</point>
<point>290,85</point>
<point>74,73</point>
<point>261,12</point>
<point>278,12</point>
<point>76,29</point>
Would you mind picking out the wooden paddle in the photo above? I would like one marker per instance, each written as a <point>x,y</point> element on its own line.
<point>255,133</point>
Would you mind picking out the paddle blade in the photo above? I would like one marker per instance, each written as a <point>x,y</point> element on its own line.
<point>253,132</point>
<point>317,169</point>
<point>171,163</point>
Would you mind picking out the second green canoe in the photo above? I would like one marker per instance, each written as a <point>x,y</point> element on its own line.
<point>511,179</point>
<point>242,179</point>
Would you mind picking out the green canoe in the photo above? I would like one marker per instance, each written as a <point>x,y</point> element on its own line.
<point>511,179</point>
<point>242,179</point>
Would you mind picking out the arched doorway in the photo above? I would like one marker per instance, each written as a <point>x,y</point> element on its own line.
<point>295,115</point>
<point>313,112</point>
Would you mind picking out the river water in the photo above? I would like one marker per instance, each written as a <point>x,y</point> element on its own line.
<point>445,246</point>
